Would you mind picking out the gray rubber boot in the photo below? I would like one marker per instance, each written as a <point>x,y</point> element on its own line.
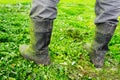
<point>103,35</point>
<point>40,34</point>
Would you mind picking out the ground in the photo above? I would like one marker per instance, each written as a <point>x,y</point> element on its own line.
<point>73,28</point>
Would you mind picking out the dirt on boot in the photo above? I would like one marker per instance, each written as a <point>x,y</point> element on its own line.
<point>27,52</point>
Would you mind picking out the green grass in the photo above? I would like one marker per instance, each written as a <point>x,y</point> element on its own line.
<point>73,28</point>
<point>13,1</point>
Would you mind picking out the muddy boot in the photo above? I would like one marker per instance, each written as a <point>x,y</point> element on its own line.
<point>40,34</point>
<point>103,35</point>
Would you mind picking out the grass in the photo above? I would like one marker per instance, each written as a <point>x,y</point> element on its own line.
<point>73,28</point>
<point>14,1</point>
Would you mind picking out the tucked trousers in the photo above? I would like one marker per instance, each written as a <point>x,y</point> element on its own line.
<point>106,10</point>
<point>44,10</point>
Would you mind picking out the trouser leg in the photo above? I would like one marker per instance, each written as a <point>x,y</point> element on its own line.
<point>44,10</point>
<point>42,14</point>
<point>107,12</point>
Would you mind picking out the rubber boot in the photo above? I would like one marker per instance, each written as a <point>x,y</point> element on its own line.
<point>103,35</point>
<point>37,51</point>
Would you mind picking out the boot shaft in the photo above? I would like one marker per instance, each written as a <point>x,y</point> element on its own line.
<point>103,35</point>
<point>40,33</point>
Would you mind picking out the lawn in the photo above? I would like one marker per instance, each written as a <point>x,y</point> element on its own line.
<point>73,28</point>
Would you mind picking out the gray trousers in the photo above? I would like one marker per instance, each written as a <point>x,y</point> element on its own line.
<point>44,9</point>
<point>106,10</point>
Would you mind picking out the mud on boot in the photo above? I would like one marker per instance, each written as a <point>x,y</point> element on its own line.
<point>103,35</point>
<point>28,53</point>
<point>37,50</point>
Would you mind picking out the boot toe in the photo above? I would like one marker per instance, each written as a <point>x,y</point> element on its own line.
<point>22,48</point>
<point>25,52</point>
<point>29,54</point>
<point>98,63</point>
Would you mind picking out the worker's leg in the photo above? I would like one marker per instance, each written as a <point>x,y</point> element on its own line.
<point>107,12</point>
<point>42,14</point>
